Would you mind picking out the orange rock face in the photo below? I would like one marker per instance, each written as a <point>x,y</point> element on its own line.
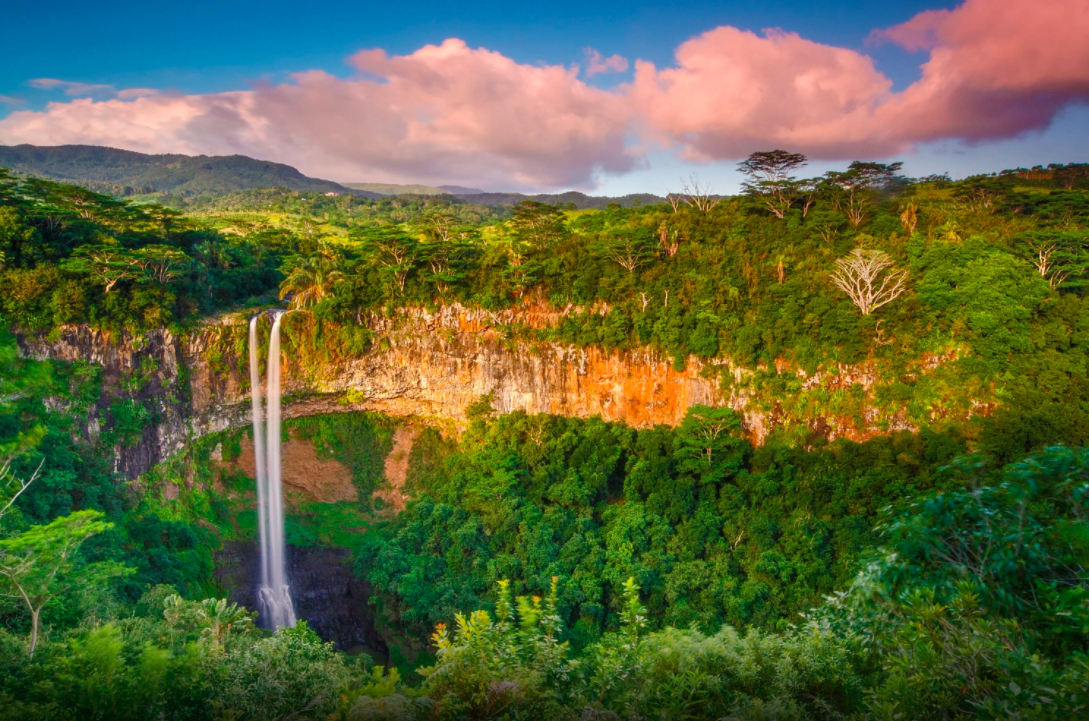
<point>322,479</point>
<point>432,365</point>
<point>396,470</point>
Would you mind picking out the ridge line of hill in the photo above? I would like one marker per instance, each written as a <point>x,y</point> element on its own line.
<point>130,174</point>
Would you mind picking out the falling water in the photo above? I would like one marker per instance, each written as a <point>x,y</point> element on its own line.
<point>273,596</point>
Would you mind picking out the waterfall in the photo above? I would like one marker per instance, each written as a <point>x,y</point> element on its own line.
<point>273,595</point>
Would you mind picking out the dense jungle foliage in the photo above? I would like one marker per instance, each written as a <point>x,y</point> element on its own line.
<point>556,567</point>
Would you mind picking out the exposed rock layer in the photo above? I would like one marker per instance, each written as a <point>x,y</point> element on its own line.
<point>429,365</point>
<point>305,474</point>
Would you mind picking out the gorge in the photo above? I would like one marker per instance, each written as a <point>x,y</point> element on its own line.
<point>434,364</point>
<point>566,462</point>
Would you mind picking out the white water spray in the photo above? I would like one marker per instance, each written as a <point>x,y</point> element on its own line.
<point>273,595</point>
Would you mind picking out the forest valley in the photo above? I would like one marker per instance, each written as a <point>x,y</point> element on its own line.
<point>533,566</point>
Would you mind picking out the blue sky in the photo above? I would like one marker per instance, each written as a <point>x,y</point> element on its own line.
<point>203,47</point>
<point>213,46</point>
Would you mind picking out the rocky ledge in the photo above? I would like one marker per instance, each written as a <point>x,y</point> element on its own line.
<point>430,365</point>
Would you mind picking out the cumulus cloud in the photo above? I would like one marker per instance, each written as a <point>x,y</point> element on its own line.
<point>734,91</point>
<point>997,68</point>
<point>596,64</point>
<point>446,113</point>
<point>454,114</point>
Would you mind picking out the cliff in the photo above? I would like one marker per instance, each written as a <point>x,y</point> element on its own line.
<point>433,365</point>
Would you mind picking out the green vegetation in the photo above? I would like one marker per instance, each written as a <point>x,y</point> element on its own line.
<point>551,567</point>
<point>123,173</point>
<point>712,531</point>
<point>68,255</point>
<point>972,606</point>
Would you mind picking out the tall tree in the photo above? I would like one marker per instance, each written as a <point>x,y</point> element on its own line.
<point>708,443</point>
<point>1058,256</point>
<point>538,224</point>
<point>41,564</point>
<point>627,248</point>
<point>855,188</point>
<point>771,178</point>
<point>394,251</point>
<point>447,249</point>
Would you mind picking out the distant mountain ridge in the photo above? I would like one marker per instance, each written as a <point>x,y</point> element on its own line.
<point>477,196</point>
<point>397,189</point>
<point>581,201</point>
<point>124,172</point>
<point>460,190</point>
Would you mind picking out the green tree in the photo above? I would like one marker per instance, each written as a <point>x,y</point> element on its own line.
<point>41,563</point>
<point>447,252</point>
<point>15,237</point>
<point>708,445</point>
<point>310,280</point>
<point>19,379</point>
<point>216,618</point>
<point>854,189</point>
<point>771,179</point>
<point>108,264</point>
<point>538,224</point>
<point>627,248</point>
<point>394,251</point>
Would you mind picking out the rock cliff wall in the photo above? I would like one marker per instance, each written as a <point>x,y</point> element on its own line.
<point>423,364</point>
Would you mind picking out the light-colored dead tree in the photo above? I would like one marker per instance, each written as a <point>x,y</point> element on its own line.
<point>698,194</point>
<point>1043,258</point>
<point>869,278</point>
<point>1056,257</point>
<point>675,200</point>
<point>980,200</point>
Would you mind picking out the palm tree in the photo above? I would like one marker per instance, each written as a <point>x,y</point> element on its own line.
<point>311,280</point>
<point>215,617</point>
<point>220,618</point>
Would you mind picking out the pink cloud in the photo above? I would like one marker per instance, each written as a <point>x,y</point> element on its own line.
<point>446,112</point>
<point>997,68</point>
<point>599,64</point>
<point>732,92</point>
<point>919,33</point>
<point>449,113</point>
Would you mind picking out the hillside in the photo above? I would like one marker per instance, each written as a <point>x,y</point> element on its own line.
<point>581,201</point>
<point>124,173</point>
<point>395,189</point>
<point>476,196</point>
